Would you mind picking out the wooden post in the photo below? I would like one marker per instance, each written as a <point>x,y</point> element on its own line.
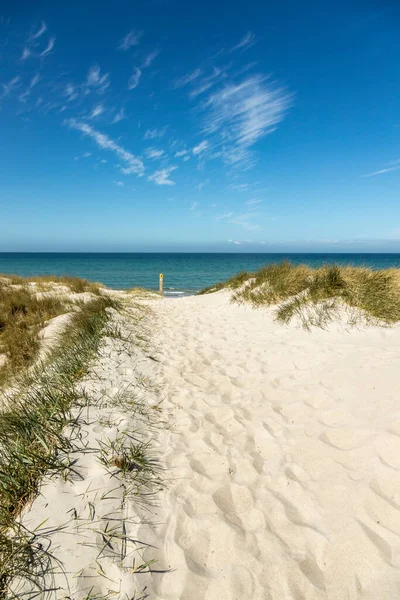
<point>161,283</point>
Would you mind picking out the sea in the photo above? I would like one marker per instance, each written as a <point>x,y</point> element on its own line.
<point>184,273</point>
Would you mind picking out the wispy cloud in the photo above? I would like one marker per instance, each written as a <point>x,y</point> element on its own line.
<point>149,59</point>
<point>249,202</point>
<point>236,242</point>
<point>240,187</point>
<point>39,32</point>
<point>10,86</point>
<point>119,183</point>
<point>246,42</point>
<point>131,39</point>
<point>245,220</point>
<point>194,205</point>
<point>154,153</point>
<point>161,177</point>
<point>224,217</point>
<point>181,153</point>
<point>200,185</point>
<point>382,171</point>
<point>95,79</point>
<point>239,115</point>
<point>182,81</point>
<point>202,147</point>
<point>134,79</point>
<point>70,92</point>
<point>152,134</point>
<point>34,81</point>
<point>49,47</point>
<point>96,111</point>
<point>133,163</point>
<point>26,52</point>
<point>119,116</point>
<point>207,82</point>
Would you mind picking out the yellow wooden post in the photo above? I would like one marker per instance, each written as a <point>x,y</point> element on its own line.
<point>161,283</point>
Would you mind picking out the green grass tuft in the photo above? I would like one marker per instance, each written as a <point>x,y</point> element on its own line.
<point>315,295</point>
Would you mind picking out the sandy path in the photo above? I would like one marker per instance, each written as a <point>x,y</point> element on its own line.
<point>285,464</point>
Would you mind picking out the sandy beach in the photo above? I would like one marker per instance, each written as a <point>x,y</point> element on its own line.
<point>280,454</point>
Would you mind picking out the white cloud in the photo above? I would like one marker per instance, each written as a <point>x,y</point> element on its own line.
<point>25,53</point>
<point>208,82</point>
<point>241,187</point>
<point>387,170</point>
<point>70,92</point>
<point>245,220</point>
<point>49,47</point>
<point>95,79</point>
<point>186,158</point>
<point>149,59</point>
<point>152,134</point>
<point>96,111</point>
<point>87,154</point>
<point>119,116</point>
<point>194,205</point>
<point>133,163</point>
<point>202,184</point>
<point>34,81</point>
<point>236,242</point>
<point>202,147</point>
<point>254,201</point>
<point>39,32</point>
<point>246,41</point>
<point>131,39</point>
<point>161,177</point>
<point>11,85</point>
<point>134,79</point>
<point>182,81</point>
<point>239,115</point>
<point>181,153</point>
<point>119,183</point>
<point>154,153</point>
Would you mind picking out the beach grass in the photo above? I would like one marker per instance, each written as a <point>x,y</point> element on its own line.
<point>31,436</point>
<point>316,295</point>
<point>24,311</point>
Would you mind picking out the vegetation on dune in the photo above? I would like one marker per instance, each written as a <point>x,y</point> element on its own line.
<point>41,422</point>
<point>75,284</point>
<point>24,311</point>
<point>31,440</point>
<point>315,295</point>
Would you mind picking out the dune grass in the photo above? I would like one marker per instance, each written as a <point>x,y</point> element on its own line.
<point>75,284</point>
<point>32,442</point>
<point>24,311</point>
<point>316,295</point>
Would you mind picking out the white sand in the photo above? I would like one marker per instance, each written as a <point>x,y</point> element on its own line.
<point>285,465</point>
<point>283,468</point>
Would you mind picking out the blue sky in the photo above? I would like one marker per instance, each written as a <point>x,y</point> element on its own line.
<point>220,126</point>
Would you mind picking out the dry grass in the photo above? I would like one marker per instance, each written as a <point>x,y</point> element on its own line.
<point>25,310</point>
<point>75,284</point>
<point>316,296</point>
<point>32,441</point>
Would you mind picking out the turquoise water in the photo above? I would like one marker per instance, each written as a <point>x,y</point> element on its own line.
<point>183,273</point>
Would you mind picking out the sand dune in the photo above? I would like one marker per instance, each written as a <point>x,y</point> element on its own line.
<point>285,462</point>
<point>282,464</point>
